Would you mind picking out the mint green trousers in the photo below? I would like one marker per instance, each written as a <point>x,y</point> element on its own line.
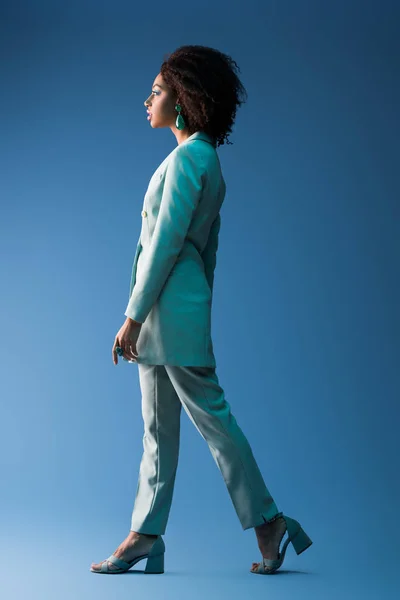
<point>165,389</point>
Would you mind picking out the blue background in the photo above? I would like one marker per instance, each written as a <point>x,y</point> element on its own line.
<point>306,296</point>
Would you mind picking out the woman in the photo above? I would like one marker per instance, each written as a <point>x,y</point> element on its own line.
<point>168,326</point>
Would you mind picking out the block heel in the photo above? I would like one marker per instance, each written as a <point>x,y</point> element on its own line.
<point>297,535</point>
<point>155,564</point>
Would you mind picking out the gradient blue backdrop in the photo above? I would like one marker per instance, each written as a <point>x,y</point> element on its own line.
<point>306,297</point>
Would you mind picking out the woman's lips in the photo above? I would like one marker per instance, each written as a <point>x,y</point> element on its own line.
<point>149,116</point>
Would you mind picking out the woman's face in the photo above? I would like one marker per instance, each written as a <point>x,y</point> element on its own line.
<point>161,104</point>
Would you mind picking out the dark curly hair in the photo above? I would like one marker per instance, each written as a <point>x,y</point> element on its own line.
<point>207,87</point>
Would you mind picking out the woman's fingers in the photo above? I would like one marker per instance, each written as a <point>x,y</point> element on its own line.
<point>126,339</point>
<point>128,351</point>
<point>114,353</point>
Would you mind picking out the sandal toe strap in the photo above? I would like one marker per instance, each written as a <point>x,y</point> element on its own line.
<point>271,564</point>
<point>118,562</point>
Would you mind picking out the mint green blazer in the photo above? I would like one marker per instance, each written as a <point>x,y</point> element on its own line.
<point>173,269</point>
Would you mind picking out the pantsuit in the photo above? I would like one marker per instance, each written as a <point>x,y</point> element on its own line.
<point>165,389</point>
<point>170,293</point>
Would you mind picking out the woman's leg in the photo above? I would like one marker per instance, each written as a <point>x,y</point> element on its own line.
<point>161,410</point>
<point>204,401</point>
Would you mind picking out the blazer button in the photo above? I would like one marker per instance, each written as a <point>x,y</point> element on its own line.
<point>144,213</point>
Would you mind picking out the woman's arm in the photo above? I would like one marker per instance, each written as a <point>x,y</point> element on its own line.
<point>182,191</point>
<point>209,254</point>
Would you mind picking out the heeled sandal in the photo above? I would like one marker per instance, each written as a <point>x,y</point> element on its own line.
<point>300,542</point>
<point>155,561</point>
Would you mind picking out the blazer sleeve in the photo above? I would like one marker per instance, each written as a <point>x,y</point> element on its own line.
<point>182,191</point>
<point>209,254</point>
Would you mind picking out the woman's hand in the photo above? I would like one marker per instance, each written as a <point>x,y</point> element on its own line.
<point>126,338</point>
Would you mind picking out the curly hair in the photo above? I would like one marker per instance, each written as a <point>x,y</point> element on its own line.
<point>208,89</point>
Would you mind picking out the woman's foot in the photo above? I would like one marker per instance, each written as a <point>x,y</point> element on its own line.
<point>269,537</point>
<point>135,544</point>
